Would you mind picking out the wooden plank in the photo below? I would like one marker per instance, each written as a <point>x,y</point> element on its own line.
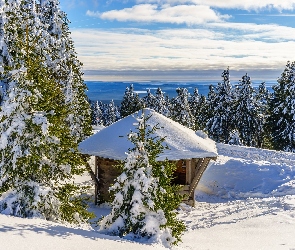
<point>197,168</point>
<point>199,164</point>
<point>96,185</point>
<point>189,172</point>
<point>193,169</point>
<point>199,174</point>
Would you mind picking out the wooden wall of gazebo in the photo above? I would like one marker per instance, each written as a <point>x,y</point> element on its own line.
<point>187,174</point>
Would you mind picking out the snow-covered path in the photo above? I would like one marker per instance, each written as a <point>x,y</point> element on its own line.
<point>245,200</point>
<point>260,224</point>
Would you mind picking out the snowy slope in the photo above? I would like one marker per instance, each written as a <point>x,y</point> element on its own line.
<point>245,200</point>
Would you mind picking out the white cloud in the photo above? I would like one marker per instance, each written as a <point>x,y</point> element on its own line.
<point>179,14</point>
<point>185,49</point>
<point>230,4</point>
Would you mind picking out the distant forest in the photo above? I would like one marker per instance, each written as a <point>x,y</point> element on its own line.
<point>240,115</point>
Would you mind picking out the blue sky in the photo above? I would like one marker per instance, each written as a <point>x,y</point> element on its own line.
<point>182,40</point>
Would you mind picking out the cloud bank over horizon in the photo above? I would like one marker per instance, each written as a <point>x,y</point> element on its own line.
<point>183,35</point>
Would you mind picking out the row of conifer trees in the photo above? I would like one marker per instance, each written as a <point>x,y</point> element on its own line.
<point>239,114</point>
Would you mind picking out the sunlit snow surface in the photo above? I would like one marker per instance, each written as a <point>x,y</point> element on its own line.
<point>245,200</point>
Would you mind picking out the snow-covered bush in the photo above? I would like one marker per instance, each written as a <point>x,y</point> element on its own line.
<point>144,200</point>
<point>235,138</point>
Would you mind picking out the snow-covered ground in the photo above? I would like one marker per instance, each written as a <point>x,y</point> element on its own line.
<point>245,200</point>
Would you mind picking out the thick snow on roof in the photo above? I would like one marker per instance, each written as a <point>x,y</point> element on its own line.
<point>112,142</point>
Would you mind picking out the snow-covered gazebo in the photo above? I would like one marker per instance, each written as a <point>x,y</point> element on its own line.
<point>192,151</point>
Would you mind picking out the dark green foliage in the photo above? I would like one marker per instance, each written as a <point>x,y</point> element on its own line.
<point>64,66</point>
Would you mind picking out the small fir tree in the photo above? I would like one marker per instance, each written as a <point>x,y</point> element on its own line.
<point>161,103</point>
<point>112,114</point>
<point>180,109</point>
<point>149,100</point>
<point>201,119</point>
<point>144,199</point>
<point>195,104</point>
<point>263,98</point>
<point>130,103</point>
<point>97,111</point>
<point>210,105</point>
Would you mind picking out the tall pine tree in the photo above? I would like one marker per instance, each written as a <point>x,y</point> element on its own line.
<point>247,120</point>
<point>220,124</point>
<point>38,152</point>
<point>65,67</point>
<point>281,120</point>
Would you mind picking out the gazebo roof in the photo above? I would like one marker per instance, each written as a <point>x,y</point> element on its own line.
<point>112,142</point>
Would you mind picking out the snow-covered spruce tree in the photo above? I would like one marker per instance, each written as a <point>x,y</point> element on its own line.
<point>210,105</point>
<point>65,67</point>
<point>161,103</point>
<point>195,108</point>
<point>38,154</point>
<point>281,120</point>
<point>220,123</point>
<point>144,199</point>
<point>262,98</point>
<point>201,119</point>
<point>130,103</point>
<point>112,114</point>
<point>97,111</point>
<point>247,120</point>
<point>149,100</point>
<point>180,109</point>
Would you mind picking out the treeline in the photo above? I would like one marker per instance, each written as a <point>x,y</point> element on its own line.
<point>240,114</point>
